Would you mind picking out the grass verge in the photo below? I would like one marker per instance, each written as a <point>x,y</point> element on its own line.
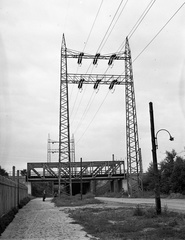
<point>130,223</point>
<point>124,223</point>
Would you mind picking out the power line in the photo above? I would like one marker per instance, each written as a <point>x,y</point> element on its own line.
<point>159,32</point>
<point>83,51</point>
<point>109,26</point>
<point>93,117</point>
<point>93,25</point>
<point>85,112</point>
<point>105,42</point>
<point>141,19</point>
<point>131,32</point>
<point>134,28</point>
<point>101,45</point>
<point>115,23</point>
<point>136,25</point>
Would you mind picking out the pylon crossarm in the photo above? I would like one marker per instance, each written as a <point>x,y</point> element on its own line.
<point>105,79</point>
<point>81,55</point>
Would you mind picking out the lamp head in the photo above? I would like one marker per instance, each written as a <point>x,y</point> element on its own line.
<point>171,138</point>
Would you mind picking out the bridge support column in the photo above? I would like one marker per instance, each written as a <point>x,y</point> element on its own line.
<point>112,186</point>
<point>93,186</point>
<point>116,186</point>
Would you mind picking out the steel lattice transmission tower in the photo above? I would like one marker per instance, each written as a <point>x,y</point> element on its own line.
<point>64,129</point>
<point>134,160</point>
<point>134,164</point>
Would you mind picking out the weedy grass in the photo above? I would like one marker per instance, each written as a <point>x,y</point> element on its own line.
<point>67,201</point>
<point>130,223</point>
<point>124,223</point>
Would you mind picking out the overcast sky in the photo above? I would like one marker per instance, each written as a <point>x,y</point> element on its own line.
<point>30,42</point>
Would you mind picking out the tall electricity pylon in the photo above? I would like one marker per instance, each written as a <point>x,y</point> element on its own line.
<point>134,160</point>
<point>133,151</point>
<point>49,149</point>
<point>72,148</point>
<point>64,129</point>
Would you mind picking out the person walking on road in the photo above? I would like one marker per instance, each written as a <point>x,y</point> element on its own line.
<point>44,195</point>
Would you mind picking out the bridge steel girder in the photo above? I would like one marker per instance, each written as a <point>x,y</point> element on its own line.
<point>90,170</point>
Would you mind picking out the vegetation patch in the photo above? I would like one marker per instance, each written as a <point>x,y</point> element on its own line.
<point>130,223</point>
<point>67,201</point>
<point>6,219</point>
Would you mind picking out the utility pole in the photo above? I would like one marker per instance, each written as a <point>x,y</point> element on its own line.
<point>81,186</point>
<point>155,166</point>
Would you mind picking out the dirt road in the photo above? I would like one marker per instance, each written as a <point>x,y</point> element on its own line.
<point>172,204</point>
<point>40,220</point>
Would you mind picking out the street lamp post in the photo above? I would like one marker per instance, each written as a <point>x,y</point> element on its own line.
<point>154,155</point>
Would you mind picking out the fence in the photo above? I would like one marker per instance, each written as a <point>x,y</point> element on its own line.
<point>11,193</point>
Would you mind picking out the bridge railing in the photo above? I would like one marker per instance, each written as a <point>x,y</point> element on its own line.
<point>11,194</point>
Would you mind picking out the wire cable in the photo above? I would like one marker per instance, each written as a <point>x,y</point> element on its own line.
<point>141,19</point>
<point>136,25</point>
<point>102,45</point>
<point>159,32</point>
<point>110,25</point>
<point>114,24</point>
<point>93,117</point>
<point>93,25</point>
<point>89,65</point>
<point>85,112</point>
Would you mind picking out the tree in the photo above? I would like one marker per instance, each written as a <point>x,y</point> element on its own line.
<point>166,169</point>
<point>171,173</point>
<point>24,172</point>
<point>149,178</point>
<point>178,176</point>
<point>3,172</point>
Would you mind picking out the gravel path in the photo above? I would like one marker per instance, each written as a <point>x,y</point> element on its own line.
<point>40,220</point>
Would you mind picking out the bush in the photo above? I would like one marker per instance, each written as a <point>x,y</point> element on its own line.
<point>23,202</point>
<point>6,219</point>
<point>138,211</point>
<point>176,195</point>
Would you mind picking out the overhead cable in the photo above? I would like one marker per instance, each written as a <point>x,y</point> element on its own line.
<point>85,111</point>
<point>159,31</point>
<point>80,59</point>
<point>100,46</point>
<point>136,25</point>
<point>110,61</point>
<point>114,24</point>
<point>92,26</point>
<point>93,118</point>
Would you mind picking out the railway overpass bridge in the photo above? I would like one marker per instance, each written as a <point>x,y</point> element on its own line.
<point>93,175</point>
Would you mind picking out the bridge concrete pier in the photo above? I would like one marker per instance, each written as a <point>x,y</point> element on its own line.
<point>93,186</point>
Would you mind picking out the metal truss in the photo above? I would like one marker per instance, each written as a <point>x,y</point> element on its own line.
<point>64,131</point>
<point>94,170</point>
<point>133,156</point>
<point>134,165</point>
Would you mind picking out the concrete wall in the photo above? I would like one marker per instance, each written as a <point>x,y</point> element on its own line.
<point>28,184</point>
